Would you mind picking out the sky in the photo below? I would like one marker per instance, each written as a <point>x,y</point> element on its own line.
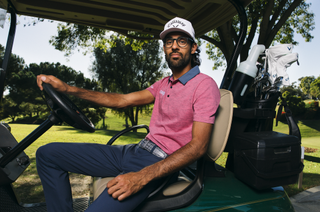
<point>32,44</point>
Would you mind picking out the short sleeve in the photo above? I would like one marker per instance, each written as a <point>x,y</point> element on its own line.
<point>206,101</point>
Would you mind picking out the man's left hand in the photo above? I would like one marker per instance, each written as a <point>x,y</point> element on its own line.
<point>125,185</point>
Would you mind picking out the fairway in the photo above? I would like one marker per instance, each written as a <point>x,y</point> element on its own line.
<point>310,132</point>
<point>312,142</point>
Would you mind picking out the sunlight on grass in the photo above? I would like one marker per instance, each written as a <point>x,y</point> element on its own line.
<point>313,142</point>
<point>311,173</point>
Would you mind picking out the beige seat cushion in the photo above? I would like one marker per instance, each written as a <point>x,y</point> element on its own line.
<point>176,188</point>
<point>99,184</point>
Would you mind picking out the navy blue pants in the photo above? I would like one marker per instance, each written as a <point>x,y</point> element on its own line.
<point>55,160</point>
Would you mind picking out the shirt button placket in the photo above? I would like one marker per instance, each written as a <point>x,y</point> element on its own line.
<point>169,89</point>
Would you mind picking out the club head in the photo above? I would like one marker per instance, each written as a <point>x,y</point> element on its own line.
<point>267,88</point>
<point>277,83</point>
<point>278,79</point>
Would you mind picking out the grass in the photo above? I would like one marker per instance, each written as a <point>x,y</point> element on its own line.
<point>310,133</point>
<point>28,186</point>
<point>311,174</point>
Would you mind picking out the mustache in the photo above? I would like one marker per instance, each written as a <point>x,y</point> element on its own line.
<point>175,52</point>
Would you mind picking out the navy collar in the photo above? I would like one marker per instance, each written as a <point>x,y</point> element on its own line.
<point>189,75</point>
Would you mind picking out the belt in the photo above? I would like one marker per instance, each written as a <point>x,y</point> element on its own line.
<point>152,148</point>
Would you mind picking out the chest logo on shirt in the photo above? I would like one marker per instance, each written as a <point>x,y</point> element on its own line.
<point>162,92</point>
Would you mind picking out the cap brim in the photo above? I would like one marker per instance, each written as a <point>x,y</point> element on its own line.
<point>165,32</point>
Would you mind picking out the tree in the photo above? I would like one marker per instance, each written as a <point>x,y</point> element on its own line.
<point>274,21</point>
<point>295,103</point>
<point>25,98</point>
<point>121,69</point>
<point>71,77</point>
<point>73,36</point>
<point>9,109</point>
<point>9,105</point>
<point>22,88</point>
<point>293,96</point>
<point>15,65</point>
<point>315,88</point>
<point>305,84</point>
<point>293,89</point>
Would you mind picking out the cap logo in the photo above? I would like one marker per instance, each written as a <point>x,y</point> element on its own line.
<point>176,23</point>
<point>180,25</point>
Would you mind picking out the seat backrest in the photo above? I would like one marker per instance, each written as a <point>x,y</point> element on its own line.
<point>222,125</point>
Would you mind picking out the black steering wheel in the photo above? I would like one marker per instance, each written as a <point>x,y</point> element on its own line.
<point>66,110</point>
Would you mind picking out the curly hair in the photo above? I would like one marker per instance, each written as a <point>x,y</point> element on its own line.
<point>195,58</point>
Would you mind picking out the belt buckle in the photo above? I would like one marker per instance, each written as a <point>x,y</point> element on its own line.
<point>152,148</point>
<point>159,153</point>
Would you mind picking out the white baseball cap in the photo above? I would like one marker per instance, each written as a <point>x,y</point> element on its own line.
<point>178,25</point>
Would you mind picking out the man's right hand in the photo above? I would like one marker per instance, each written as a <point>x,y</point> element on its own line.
<point>56,83</point>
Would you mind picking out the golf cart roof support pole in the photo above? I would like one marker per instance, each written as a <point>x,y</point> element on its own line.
<point>8,50</point>
<point>237,49</point>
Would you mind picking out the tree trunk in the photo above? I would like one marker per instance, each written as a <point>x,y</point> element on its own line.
<point>104,122</point>
<point>127,124</point>
<point>133,116</point>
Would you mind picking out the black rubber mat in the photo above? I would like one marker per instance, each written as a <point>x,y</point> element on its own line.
<point>9,204</point>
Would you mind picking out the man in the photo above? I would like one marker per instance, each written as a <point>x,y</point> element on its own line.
<point>180,127</point>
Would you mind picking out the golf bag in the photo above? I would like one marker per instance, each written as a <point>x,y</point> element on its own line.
<point>259,156</point>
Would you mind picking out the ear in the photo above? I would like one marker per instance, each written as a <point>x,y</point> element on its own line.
<point>194,48</point>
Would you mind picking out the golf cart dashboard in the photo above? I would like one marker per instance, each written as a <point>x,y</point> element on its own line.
<point>123,16</point>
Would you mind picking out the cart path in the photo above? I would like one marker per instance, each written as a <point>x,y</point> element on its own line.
<point>308,200</point>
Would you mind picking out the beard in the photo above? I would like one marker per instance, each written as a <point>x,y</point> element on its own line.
<point>179,63</point>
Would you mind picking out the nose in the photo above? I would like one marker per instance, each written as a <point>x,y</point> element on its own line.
<point>175,44</point>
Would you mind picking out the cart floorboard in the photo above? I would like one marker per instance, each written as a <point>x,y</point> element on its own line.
<point>9,204</point>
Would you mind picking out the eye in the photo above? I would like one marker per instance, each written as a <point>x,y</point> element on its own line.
<point>169,42</point>
<point>183,41</point>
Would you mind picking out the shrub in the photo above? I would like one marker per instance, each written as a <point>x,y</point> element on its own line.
<point>312,110</point>
<point>295,103</point>
<point>312,105</point>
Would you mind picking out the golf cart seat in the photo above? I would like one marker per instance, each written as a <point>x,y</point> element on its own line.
<point>184,187</point>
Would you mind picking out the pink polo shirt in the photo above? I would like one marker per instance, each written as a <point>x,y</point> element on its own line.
<point>192,97</point>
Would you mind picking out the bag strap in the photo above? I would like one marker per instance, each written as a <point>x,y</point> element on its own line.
<point>293,127</point>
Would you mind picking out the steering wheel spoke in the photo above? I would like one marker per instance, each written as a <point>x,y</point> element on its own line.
<point>63,107</point>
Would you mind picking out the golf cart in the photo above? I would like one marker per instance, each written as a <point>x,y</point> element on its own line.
<point>259,160</point>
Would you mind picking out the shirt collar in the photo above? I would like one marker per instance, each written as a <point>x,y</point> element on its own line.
<point>189,75</point>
